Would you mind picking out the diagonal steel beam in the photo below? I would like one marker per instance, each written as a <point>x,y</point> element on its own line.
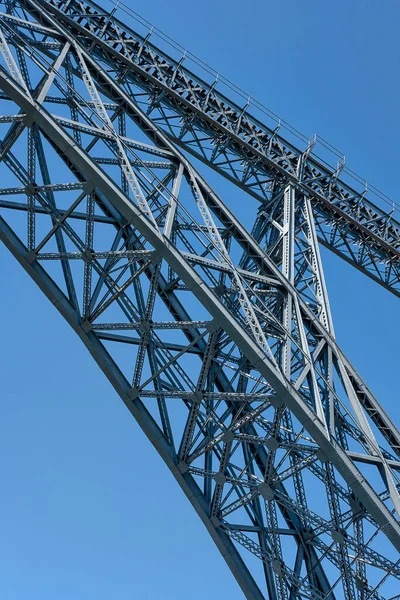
<point>255,355</point>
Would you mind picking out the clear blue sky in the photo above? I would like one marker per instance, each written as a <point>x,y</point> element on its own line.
<point>87,509</point>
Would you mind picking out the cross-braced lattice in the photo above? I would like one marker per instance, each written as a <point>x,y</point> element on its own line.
<point>218,338</point>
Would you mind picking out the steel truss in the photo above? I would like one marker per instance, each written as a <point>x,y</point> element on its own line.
<point>219,341</point>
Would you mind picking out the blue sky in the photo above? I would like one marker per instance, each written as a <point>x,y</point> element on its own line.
<point>87,509</point>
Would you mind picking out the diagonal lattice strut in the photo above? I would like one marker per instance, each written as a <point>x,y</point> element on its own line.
<point>279,445</point>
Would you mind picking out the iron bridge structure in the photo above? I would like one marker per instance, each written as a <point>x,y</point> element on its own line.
<point>215,331</point>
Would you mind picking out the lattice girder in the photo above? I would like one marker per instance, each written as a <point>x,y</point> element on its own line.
<point>182,307</point>
<point>200,118</point>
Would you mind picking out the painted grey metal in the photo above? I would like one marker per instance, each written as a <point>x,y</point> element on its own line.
<point>279,445</point>
<point>225,135</point>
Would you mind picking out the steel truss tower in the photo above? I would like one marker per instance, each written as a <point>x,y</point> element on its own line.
<point>218,339</point>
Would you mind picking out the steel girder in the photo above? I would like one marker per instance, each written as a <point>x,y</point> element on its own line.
<point>125,237</point>
<point>200,118</point>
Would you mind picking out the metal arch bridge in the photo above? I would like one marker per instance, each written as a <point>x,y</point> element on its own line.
<point>218,339</point>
